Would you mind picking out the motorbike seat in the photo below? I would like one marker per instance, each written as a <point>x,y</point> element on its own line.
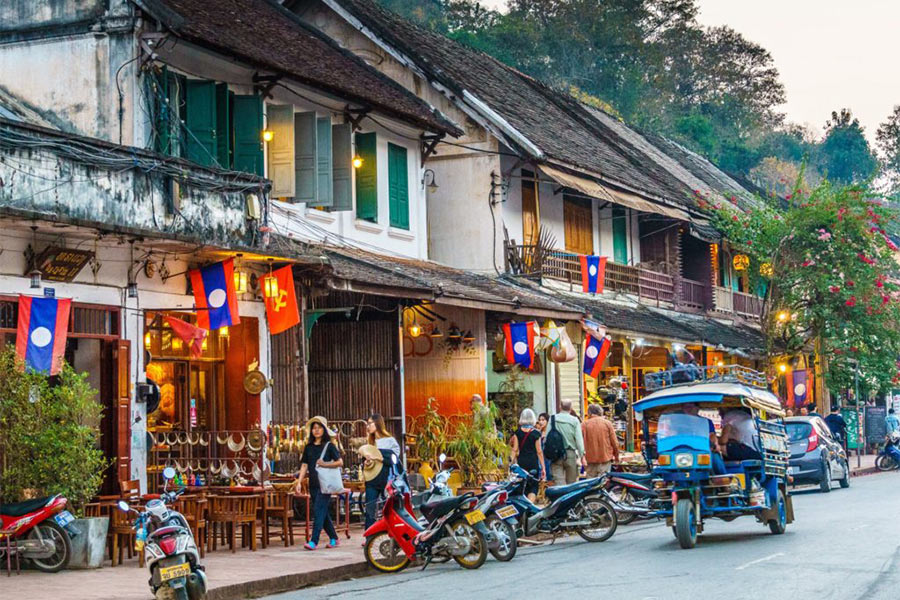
<point>439,507</point>
<point>561,490</point>
<point>19,509</point>
<point>638,477</point>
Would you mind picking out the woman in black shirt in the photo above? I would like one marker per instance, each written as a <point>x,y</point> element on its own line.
<point>320,451</point>
<point>527,450</point>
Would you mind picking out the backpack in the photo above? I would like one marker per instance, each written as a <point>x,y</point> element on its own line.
<point>554,445</point>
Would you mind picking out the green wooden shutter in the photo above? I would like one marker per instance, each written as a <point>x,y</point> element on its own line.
<point>281,150</point>
<point>324,191</point>
<point>342,166</point>
<point>367,177</point>
<point>160,86</point>
<point>398,187</point>
<point>305,157</point>
<point>177,114</point>
<point>223,123</point>
<point>201,122</point>
<point>248,121</point>
<point>620,235</point>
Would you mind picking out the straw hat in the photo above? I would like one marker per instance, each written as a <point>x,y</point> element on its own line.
<point>374,461</point>
<point>321,421</point>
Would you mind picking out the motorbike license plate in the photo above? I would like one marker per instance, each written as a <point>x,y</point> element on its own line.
<point>63,518</point>
<point>476,516</point>
<point>175,571</point>
<point>507,512</point>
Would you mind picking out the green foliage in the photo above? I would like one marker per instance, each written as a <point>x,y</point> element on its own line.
<point>511,399</point>
<point>831,272</point>
<point>844,154</point>
<point>476,447</point>
<point>431,437</point>
<point>49,434</point>
<point>888,141</point>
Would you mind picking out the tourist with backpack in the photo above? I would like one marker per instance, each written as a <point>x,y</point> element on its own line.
<point>564,447</point>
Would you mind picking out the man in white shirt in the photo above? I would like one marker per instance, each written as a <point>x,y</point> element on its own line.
<point>565,470</point>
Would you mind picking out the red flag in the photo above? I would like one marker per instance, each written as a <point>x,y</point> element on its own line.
<point>193,336</point>
<point>593,273</point>
<point>281,299</point>
<point>41,334</point>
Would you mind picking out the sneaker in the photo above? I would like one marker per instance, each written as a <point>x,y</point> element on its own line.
<point>334,543</point>
<point>310,545</point>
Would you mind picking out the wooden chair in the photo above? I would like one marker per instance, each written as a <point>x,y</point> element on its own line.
<point>131,490</point>
<point>6,537</point>
<point>277,506</point>
<point>229,512</point>
<point>121,536</point>
<point>194,511</point>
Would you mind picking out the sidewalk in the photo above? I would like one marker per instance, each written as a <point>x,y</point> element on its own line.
<point>867,466</point>
<point>231,576</point>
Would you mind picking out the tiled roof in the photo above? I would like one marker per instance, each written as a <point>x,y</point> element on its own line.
<point>264,34</point>
<point>425,278</point>
<point>713,332</point>
<point>566,131</point>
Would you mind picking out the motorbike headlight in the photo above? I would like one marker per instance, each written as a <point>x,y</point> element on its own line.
<point>684,460</point>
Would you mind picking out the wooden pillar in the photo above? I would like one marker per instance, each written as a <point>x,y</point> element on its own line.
<point>627,361</point>
<point>820,365</point>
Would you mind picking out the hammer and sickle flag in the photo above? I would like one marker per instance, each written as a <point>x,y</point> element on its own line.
<point>281,307</point>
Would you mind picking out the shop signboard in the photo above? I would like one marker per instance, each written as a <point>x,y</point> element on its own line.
<point>876,428</point>
<point>62,264</point>
<point>853,429</point>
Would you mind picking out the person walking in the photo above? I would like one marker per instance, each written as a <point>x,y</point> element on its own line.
<point>526,450</point>
<point>320,451</point>
<point>565,469</point>
<point>891,422</point>
<point>837,424</point>
<point>543,423</point>
<point>380,437</point>
<point>601,446</point>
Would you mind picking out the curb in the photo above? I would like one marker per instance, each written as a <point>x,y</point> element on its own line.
<point>863,472</point>
<point>288,583</point>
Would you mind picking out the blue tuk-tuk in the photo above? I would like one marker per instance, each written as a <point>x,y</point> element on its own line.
<point>694,482</point>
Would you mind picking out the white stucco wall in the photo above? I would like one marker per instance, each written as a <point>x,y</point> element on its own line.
<point>108,288</point>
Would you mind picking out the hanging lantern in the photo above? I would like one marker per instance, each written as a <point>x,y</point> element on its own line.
<point>741,262</point>
<point>270,286</point>
<point>240,282</point>
<point>148,340</point>
<point>766,270</point>
<point>414,329</point>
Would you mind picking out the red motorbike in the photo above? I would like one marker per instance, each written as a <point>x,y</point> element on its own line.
<point>398,538</point>
<point>40,531</point>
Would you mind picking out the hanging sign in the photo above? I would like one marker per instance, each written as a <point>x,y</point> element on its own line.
<point>62,264</point>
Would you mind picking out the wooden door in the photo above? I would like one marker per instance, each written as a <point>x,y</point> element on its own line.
<point>578,223</point>
<point>620,235</point>
<point>531,221</point>
<point>123,409</point>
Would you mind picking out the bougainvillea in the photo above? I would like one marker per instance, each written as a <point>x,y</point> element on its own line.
<point>831,267</point>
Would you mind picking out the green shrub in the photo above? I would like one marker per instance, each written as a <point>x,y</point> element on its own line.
<point>49,434</point>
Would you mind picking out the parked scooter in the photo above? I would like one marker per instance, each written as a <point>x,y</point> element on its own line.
<point>170,551</point>
<point>889,456</point>
<point>582,507</point>
<point>397,538</point>
<point>630,494</point>
<point>42,531</point>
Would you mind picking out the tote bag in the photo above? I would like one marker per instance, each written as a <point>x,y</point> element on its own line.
<point>330,481</point>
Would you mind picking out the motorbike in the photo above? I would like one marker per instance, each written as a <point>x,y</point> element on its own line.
<point>397,538</point>
<point>582,507</point>
<point>42,531</point>
<point>630,494</point>
<point>889,456</point>
<point>170,551</point>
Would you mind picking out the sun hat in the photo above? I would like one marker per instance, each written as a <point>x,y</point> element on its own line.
<point>321,421</point>
<point>374,461</point>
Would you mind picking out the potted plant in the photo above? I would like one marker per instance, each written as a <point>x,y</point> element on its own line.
<point>49,441</point>
<point>431,439</point>
<point>477,449</point>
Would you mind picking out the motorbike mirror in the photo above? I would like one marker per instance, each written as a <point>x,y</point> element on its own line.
<point>442,458</point>
<point>394,458</point>
<point>169,473</point>
<point>123,506</point>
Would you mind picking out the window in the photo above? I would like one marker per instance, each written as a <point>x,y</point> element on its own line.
<point>398,187</point>
<point>620,235</point>
<point>367,178</point>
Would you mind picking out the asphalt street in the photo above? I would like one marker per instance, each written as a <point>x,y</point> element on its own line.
<point>844,545</point>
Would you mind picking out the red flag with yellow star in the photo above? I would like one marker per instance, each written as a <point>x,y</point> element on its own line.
<point>281,299</point>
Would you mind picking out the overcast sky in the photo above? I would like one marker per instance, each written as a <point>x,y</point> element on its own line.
<point>830,53</point>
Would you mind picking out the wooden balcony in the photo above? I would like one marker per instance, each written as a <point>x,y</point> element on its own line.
<point>745,305</point>
<point>695,295</point>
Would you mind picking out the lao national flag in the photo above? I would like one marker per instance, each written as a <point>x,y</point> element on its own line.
<point>797,388</point>
<point>520,343</point>
<point>593,273</point>
<point>214,290</point>
<point>41,334</point>
<point>595,352</point>
<point>281,307</point>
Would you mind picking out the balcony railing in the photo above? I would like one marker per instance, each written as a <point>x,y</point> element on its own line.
<point>746,305</point>
<point>565,266</point>
<point>695,294</point>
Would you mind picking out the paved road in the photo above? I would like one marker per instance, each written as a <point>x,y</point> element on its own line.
<point>843,546</point>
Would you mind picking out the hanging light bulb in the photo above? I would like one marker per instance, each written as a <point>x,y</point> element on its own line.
<point>268,135</point>
<point>414,329</point>
<point>148,339</point>
<point>223,331</point>
<point>357,161</point>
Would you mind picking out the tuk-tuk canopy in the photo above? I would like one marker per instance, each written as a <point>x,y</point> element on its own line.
<point>712,393</point>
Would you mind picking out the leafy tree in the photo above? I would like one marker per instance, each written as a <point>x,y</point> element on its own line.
<point>845,155</point>
<point>829,266</point>
<point>888,142</point>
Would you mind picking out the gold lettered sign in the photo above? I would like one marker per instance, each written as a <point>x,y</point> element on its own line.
<point>62,264</point>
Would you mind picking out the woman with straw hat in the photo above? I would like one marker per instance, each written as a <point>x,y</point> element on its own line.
<point>375,469</point>
<point>320,451</point>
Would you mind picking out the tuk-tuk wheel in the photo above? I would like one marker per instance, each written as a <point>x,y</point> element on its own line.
<point>685,527</point>
<point>779,524</point>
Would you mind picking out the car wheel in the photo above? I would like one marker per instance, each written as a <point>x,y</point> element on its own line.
<point>825,482</point>
<point>845,480</point>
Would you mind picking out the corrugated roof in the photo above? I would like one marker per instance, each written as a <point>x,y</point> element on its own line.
<point>265,34</point>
